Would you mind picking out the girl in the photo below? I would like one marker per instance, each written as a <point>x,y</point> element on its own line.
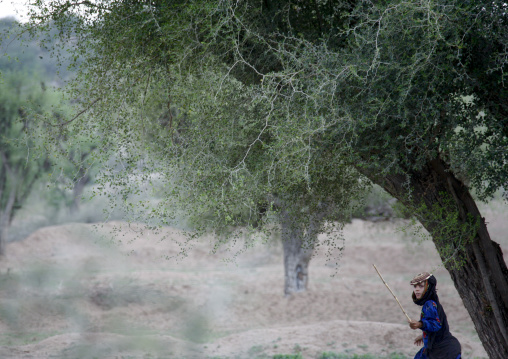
<point>437,341</point>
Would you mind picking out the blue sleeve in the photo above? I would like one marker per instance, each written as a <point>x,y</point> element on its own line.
<point>430,317</point>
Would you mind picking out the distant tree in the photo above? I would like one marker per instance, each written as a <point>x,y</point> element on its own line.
<point>75,166</point>
<point>299,239</point>
<point>20,164</point>
<point>412,94</point>
<point>28,77</point>
<point>82,178</point>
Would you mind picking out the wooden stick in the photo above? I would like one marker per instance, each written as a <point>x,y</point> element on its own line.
<point>407,316</point>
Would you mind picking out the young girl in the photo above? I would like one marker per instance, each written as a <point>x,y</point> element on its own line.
<point>437,341</point>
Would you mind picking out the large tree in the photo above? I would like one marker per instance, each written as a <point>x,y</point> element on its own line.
<point>273,95</point>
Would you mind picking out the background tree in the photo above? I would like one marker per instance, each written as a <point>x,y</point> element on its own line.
<point>20,166</point>
<point>28,78</point>
<point>76,169</point>
<point>411,94</point>
<point>298,243</point>
<point>298,212</point>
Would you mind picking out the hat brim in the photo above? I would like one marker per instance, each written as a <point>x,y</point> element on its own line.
<point>420,278</point>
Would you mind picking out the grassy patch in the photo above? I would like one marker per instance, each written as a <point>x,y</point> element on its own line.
<point>288,356</point>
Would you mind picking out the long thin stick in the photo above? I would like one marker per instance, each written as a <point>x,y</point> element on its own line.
<point>380,276</point>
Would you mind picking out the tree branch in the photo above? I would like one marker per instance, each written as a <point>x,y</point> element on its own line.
<point>79,114</point>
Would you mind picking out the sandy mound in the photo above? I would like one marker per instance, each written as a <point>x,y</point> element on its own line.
<point>75,291</point>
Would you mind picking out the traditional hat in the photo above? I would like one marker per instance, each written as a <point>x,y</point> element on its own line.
<point>420,278</point>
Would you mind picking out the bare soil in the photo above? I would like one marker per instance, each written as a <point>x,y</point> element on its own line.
<point>76,291</point>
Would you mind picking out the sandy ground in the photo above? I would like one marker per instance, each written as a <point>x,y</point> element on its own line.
<point>74,292</point>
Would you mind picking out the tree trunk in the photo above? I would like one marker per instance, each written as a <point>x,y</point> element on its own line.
<point>77,190</point>
<point>298,244</point>
<point>5,219</point>
<point>481,279</point>
<point>3,234</point>
<point>297,255</point>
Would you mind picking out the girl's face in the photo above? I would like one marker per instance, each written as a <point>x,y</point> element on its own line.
<point>419,289</point>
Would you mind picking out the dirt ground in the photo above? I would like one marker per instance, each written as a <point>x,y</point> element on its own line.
<point>74,292</point>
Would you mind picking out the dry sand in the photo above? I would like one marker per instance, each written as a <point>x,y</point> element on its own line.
<point>69,293</point>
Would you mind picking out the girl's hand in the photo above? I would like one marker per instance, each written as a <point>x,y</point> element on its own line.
<point>419,340</point>
<point>414,324</point>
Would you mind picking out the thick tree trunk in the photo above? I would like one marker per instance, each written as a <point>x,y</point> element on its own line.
<point>482,279</point>
<point>297,255</point>
<point>298,243</point>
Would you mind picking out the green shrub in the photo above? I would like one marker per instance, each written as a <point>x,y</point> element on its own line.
<point>376,205</point>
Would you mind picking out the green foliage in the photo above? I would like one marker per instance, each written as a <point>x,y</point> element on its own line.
<point>244,103</point>
<point>449,231</point>
<point>28,96</point>
<point>215,171</point>
<point>376,204</point>
<point>20,164</point>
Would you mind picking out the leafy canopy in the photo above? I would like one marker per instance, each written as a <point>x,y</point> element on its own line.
<point>245,100</point>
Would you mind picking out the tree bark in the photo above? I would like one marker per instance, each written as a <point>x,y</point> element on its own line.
<point>298,244</point>
<point>78,189</point>
<point>296,257</point>
<point>481,280</point>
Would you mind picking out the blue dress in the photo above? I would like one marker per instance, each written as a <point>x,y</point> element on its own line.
<point>431,324</point>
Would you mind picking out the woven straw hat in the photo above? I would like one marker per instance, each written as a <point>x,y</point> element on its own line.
<point>420,278</point>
